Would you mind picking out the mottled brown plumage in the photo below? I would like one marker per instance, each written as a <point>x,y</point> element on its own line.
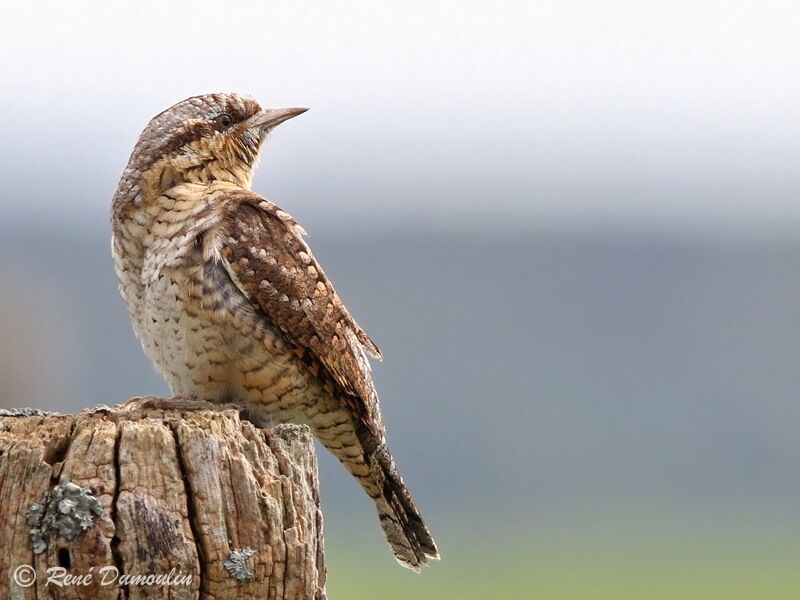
<point>231,305</point>
<point>271,264</point>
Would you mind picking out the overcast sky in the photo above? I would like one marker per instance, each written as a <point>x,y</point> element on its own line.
<point>681,115</point>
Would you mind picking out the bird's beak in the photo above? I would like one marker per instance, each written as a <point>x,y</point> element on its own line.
<point>267,119</point>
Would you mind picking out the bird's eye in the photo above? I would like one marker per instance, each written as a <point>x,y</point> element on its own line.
<point>223,120</point>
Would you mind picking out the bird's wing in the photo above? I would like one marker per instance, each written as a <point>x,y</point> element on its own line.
<point>263,250</point>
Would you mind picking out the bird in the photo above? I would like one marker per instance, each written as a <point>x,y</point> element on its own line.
<point>231,306</point>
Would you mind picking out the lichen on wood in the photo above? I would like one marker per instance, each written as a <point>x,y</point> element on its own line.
<point>201,494</point>
<point>67,510</point>
<point>237,564</point>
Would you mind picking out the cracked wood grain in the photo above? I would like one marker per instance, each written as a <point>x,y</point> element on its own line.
<point>193,492</point>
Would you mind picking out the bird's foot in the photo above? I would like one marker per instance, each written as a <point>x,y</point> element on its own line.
<point>174,403</point>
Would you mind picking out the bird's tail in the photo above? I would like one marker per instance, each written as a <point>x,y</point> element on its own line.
<point>366,456</point>
<point>406,532</point>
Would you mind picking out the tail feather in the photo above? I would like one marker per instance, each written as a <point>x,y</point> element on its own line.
<point>406,532</point>
<point>362,450</point>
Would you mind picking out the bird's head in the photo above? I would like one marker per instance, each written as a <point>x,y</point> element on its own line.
<point>214,137</point>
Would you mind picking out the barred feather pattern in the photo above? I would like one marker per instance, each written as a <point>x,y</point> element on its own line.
<point>231,306</point>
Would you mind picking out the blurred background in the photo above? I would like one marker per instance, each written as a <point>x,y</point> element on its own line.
<point>572,227</point>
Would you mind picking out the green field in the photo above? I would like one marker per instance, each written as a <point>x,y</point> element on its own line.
<point>675,562</point>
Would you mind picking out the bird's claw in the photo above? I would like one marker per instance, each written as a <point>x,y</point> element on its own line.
<point>182,403</point>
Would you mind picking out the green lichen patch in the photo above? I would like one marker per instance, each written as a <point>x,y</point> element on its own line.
<point>66,511</point>
<point>237,564</point>
<point>25,412</point>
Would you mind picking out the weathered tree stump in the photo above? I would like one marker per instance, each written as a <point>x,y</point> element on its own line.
<point>196,504</point>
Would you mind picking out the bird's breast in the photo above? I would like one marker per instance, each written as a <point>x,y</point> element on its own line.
<point>180,337</point>
<point>211,343</point>
<point>206,338</point>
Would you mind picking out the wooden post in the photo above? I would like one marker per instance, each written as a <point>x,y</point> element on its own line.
<point>157,503</point>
